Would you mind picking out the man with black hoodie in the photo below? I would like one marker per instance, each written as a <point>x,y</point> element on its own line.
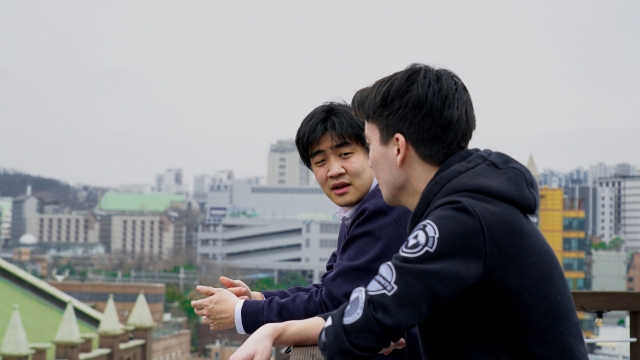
<point>475,274</point>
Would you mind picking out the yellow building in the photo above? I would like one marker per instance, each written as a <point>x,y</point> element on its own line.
<point>562,224</point>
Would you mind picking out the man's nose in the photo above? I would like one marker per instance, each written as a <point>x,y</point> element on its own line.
<point>335,169</point>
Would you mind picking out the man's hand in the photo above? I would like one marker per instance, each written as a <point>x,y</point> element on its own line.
<point>297,332</point>
<point>240,289</point>
<point>218,309</point>
<point>394,345</point>
<point>257,346</point>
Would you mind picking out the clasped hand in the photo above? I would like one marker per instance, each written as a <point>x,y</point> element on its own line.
<point>218,308</point>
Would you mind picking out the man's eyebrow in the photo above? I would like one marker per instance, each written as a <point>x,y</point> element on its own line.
<point>334,146</point>
<point>341,144</point>
<point>316,153</point>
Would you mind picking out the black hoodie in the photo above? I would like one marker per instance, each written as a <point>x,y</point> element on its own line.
<point>475,275</point>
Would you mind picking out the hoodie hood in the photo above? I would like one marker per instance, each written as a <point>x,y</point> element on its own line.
<point>484,173</point>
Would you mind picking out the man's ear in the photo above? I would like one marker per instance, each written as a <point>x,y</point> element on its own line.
<point>401,149</point>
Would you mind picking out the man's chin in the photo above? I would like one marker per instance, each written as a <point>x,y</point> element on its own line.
<point>345,202</point>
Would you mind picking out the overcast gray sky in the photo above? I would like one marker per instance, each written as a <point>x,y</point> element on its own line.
<point>113,92</point>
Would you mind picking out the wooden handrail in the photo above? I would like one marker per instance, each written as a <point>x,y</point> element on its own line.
<point>591,301</point>
<point>594,301</point>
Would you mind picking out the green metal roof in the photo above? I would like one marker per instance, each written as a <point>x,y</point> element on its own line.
<point>39,317</point>
<point>114,201</point>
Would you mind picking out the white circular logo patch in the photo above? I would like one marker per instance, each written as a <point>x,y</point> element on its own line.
<point>384,282</point>
<point>423,238</point>
<point>356,305</point>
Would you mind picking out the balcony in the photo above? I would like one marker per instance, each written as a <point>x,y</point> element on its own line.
<point>590,301</point>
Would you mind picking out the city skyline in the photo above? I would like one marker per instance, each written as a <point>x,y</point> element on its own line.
<point>111,94</point>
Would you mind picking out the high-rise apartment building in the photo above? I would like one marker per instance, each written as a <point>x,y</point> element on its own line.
<point>562,224</point>
<point>618,210</point>
<point>285,166</point>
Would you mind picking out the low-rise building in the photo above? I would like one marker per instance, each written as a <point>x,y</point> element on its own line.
<point>609,271</point>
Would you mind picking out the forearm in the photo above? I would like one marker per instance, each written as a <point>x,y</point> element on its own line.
<point>296,332</point>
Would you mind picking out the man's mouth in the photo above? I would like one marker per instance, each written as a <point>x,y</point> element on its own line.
<point>340,187</point>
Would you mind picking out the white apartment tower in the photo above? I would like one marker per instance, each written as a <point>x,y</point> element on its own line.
<point>285,166</point>
<point>618,210</point>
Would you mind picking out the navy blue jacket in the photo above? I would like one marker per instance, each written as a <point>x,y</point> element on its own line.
<point>475,275</point>
<point>376,232</point>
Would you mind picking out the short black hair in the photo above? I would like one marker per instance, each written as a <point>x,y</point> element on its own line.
<point>430,107</point>
<point>333,118</point>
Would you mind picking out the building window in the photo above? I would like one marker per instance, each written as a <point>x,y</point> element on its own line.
<point>307,242</point>
<point>330,228</point>
<point>329,243</point>
<point>573,224</point>
<point>630,279</point>
<point>282,166</point>
<point>574,244</point>
<point>573,264</point>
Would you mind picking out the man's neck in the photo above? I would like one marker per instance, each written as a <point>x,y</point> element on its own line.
<point>420,174</point>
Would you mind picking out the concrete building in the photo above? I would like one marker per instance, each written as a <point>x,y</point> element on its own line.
<point>6,205</point>
<point>269,227</point>
<point>272,202</point>
<point>136,188</point>
<point>562,224</point>
<point>284,166</point>
<point>203,184</point>
<point>270,244</point>
<point>46,222</point>
<point>143,236</point>
<point>633,273</point>
<point>170,182</point>
<point>77,227</point>
<point>618,210</point>
<point>141,225</point>
<point>24,213</point>
<point>609,271</point>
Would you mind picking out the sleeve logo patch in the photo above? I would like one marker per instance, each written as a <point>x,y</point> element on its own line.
<point>384,282</point>
<point>353,312</point>
<point>423,238</point>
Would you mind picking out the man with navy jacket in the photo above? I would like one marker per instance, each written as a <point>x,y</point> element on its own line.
<point>331,143</point>
<point>475,275</point>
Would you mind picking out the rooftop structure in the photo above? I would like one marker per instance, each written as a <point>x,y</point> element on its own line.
<point>53,325</point>
<point>128,202</point>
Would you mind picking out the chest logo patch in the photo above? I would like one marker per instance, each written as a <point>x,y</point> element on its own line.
<point>384,282</point>
<point>423,238</point>
<point>353,312</point>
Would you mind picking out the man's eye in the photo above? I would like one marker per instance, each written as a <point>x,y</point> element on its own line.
<point>346,154</point>
<point>318,162</point>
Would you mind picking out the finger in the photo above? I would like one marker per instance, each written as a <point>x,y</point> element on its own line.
<point>206,320</point>
<point>197,304</point>
<point>206,290</point>
<point>401,344</point>
<point>228,283</point>
<point>238,291</point>
<point>243,297</point>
